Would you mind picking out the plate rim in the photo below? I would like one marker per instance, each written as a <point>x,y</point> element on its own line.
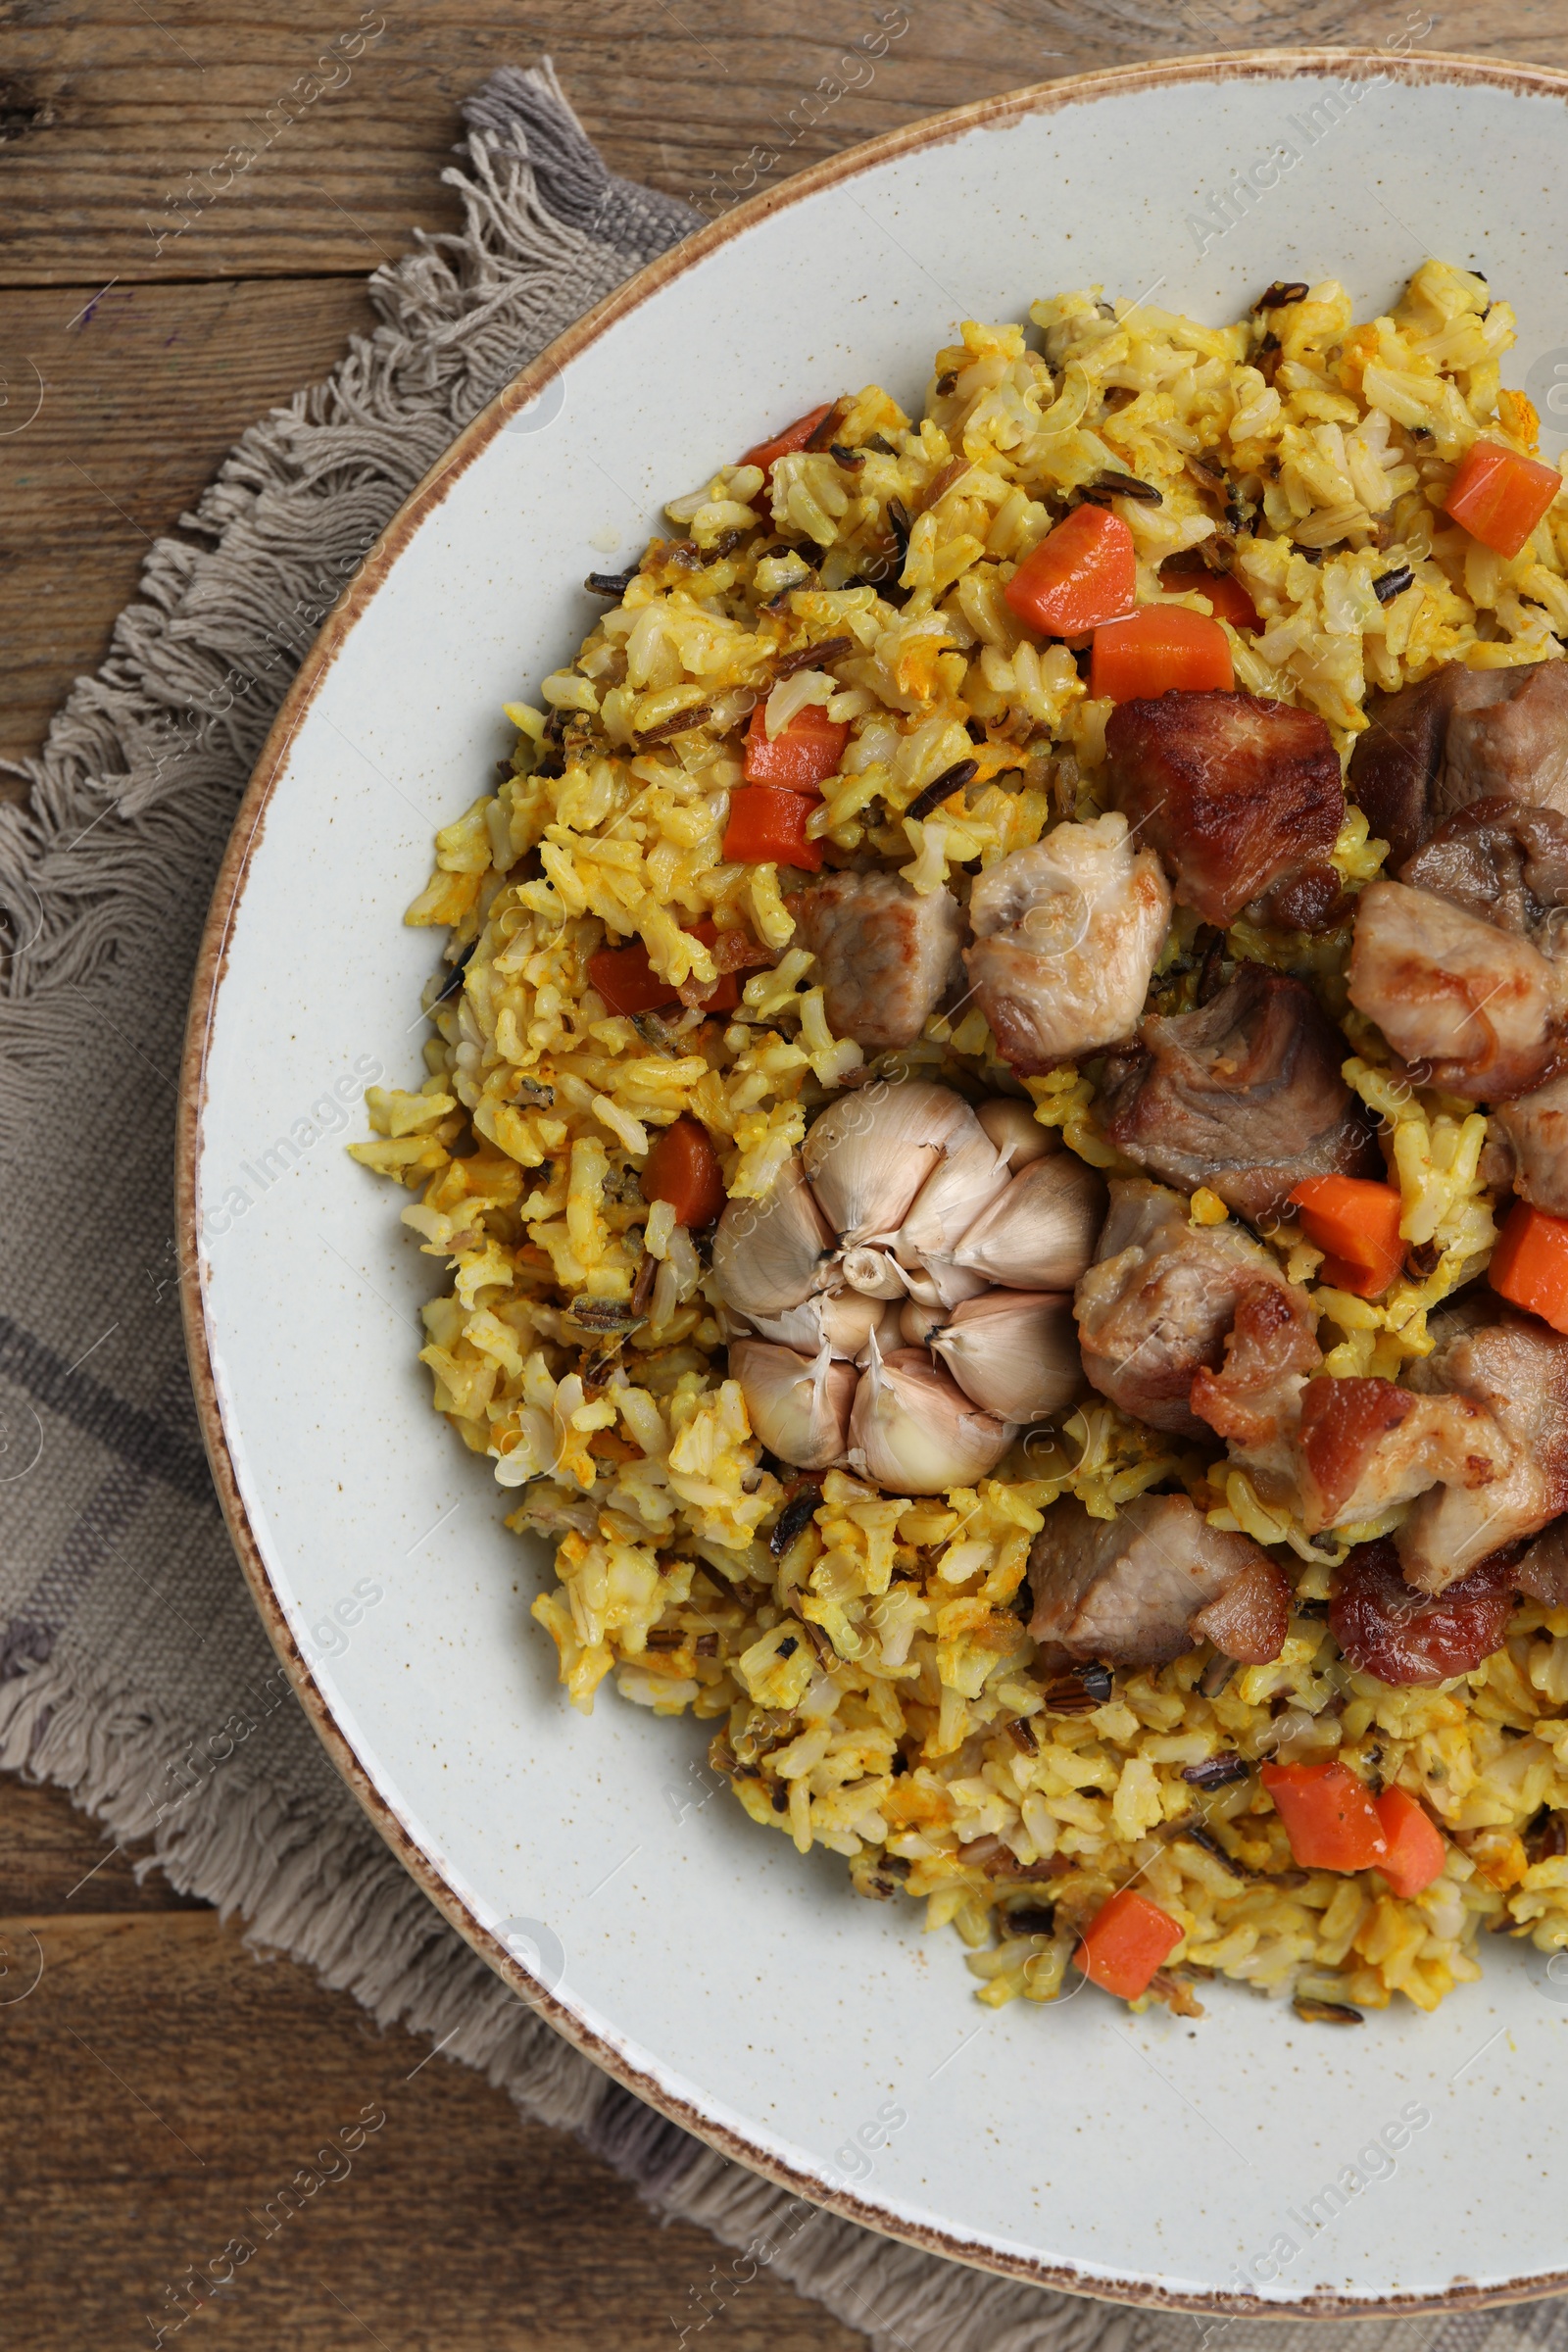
<point>1519,78</point>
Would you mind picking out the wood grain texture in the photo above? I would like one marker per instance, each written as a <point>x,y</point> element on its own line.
<point>161,2085</point>
<point>122,130</point>
<point>164,2088</point>
<point>116,413</point>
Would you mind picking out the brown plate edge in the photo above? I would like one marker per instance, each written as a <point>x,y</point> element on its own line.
<point>1521,80</point>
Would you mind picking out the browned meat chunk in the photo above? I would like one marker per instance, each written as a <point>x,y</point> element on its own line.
<point>1483,1012</point>
<point>1130,1590</point>
<point>1461,735</point>
<point>1244,1096</point>
<point>1255,1400</point>
<point>1242,798</point>
<point>1157,1304</point>
<point>1536,1126</point>
<point>1504,862</point>
<point>884,953</point>
<point>1383,1628</point>
<point>1543,1572</point>
<point>1517,1371</point>
<point>1367,1445</point>
<point>1067,935</point>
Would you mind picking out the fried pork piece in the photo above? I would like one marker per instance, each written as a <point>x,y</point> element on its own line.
<point>1367,1445</point>
<point>1255,1400</point>
<point>1543,1572</point>
<point>1517,1371</point>
<point>1066,935</point>
<point>1382,1628</point>
<point>1504,862</point>
<point>1535,1128</point>
<point>1244,1096</point>
<point>1156,1580</point>
<point>1155,1307</point>
<point>1242,798</point>
<point>885,954</point>
<point>1461,735</point>
<point>1484,1011</point>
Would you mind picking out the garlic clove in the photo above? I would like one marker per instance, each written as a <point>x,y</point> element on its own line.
<point>915,1322</point>
<point>942,1285</point>
<point>1015,1132</point>
<point>873,1274</point>
<point>1040,1234</point>
<point>799,1407</point>
<point>869,1154</point>
<point>771,1254</point>
<point>913,1432</point>
<point>1013,1351</point>
<point>962,1184</point>
<point>841,1320</point>
<point>799,1327</point>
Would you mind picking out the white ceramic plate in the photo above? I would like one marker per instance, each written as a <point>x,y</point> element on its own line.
<point>743,1991</point>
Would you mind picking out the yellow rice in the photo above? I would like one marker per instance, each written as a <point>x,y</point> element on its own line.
<point>872,1689</point>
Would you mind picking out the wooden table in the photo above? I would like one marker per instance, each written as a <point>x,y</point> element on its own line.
<point>158,2081</point>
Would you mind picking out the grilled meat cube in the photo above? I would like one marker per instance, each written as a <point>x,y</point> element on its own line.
<point>1484,1011</point>
<point>1516,1371</point>
<point>1244,1096</point>
<point>1130,1589</point>
<point>1241,797</point>
<point>1505,863</point>
<point>1066,935</point>
<point>1536,1126</point>
<point>1367,1445</point>
<point>1461,735</point>
<point>1255,1400</point>
<point>885,954</point>
<point>1155,1307</point>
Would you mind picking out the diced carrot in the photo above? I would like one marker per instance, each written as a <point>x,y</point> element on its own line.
<point>682,1168</point>
<point>800,756</point>
<point>783,445</point>
<point>1160,648</point>
<point>1530,1264</point>
<point>1083,572</point>
<point>628,981</point>
<point>1499,496</point>
<point>1329,1816</point>
<point>1357,1223</point>
<point>769,826</point>
<point>1128,1939</point>
<point>1416,1847</point>
<point>1223,590</point>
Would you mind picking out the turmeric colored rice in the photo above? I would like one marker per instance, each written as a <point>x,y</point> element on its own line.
<point>869,1684</point>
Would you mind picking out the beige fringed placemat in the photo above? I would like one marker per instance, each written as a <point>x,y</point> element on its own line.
<point>133,1672</point>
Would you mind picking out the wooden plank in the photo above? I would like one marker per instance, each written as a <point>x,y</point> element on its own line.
<point>118,119</point>
<point>138,398</point>
<point>53,1858</point>
<point>162,2090</point>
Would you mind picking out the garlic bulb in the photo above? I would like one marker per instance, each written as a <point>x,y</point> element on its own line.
<point>1015,1131</point>
<point>1013,1351</point>
<point>914,1433</point>
<point>1040,1234</point>
<point>770,1254</point>
<point>868,1155</point>
<point>880,1249</point>
<point>798,1407</point>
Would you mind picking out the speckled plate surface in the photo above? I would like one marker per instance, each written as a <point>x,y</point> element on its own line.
<point>1250,2159</point>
